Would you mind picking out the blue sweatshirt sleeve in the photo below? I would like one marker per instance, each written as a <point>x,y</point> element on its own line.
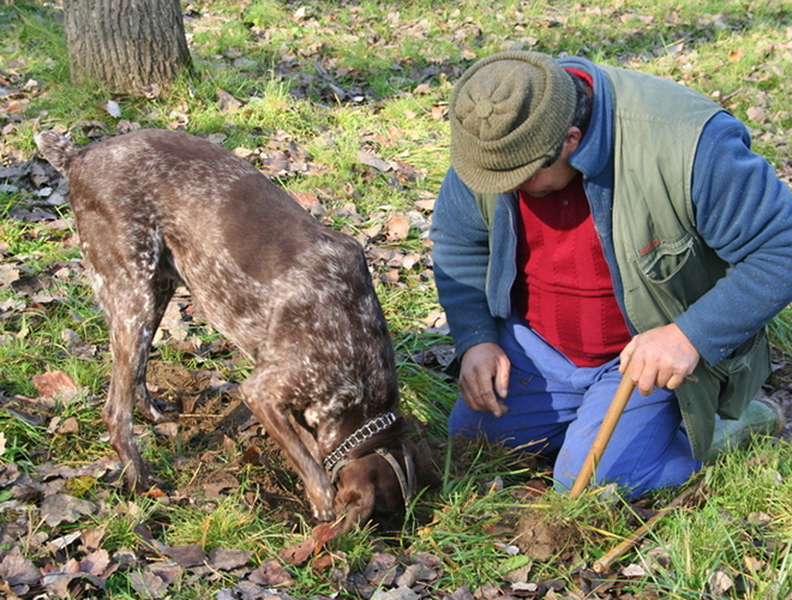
<point>744,213</point>
<point>460,254</point>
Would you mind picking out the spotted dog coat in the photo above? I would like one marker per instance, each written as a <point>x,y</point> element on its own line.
<point>154,208</point>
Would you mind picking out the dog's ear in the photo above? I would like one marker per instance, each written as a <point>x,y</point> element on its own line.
<point>356,493</point>
<point>369,490</point>
<point>426,476</point>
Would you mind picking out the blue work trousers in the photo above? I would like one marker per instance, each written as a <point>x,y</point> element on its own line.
<point>556,409</point>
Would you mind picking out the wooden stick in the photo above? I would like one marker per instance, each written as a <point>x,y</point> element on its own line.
<point>604,434</point>
<point>604,563</point>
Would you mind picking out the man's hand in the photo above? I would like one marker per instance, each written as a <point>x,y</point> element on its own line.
<point>660,357</point>
<point>484,378</point>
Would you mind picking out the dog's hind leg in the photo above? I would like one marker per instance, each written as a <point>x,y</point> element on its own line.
<point>148,407</point>
<point>134,303</point>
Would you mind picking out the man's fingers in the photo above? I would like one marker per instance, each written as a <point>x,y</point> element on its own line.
<point>493,404</point>
<point>646,379</point>
<point>625,357</point>
<point>502,378</point>
<point>475,394</point>
<point>643,377</point>
<point>659,357</point>
<point>484,377</point>
<point>480,395</point>
<point>484,401</point>
<point>486,390</point>
<point>675,381</point>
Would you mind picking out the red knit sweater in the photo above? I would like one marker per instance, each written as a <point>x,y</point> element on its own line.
<point>563,285</point>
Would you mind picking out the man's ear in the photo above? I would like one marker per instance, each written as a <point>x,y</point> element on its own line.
<point>572,140</point>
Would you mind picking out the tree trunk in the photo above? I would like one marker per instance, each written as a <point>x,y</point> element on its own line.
<point>125,45</point>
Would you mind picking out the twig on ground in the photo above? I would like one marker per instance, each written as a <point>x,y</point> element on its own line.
<point>604,563</point>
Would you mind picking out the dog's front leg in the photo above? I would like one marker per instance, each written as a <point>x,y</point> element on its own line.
<point>266,408</point>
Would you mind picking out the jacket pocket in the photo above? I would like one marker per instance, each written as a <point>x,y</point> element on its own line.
<point>659,260</point>
<point>677,271</point>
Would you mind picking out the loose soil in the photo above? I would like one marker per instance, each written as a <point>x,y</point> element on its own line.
<point>220,438</point>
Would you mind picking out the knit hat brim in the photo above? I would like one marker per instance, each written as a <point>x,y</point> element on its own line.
<point>489,181</point>
<point>509,114</point>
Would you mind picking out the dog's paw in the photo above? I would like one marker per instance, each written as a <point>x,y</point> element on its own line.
<point>322,505</point>
<point>138,481</point>
<point>324,515</point>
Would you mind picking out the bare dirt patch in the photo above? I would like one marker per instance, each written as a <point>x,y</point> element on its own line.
<point>219,438</point>
<point>542,540</point>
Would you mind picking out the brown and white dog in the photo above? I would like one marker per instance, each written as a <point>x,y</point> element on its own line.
<point>154,208</point>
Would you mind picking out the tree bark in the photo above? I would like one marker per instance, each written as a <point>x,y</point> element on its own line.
<point>125,45</point>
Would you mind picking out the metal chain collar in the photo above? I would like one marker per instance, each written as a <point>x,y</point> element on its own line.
<point>362,434</point>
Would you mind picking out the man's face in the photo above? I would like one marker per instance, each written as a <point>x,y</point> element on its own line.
<point>550,179</point>
<point>556,176</point>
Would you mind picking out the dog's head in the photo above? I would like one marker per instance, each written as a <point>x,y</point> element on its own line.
<point>372,486</point>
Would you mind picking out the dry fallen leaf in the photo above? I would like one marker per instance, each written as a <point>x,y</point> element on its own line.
<point>95,563</point>
<point>399,593</point>
<point>427,205</point>
<point>60,508</point>
<point>173,326</point>
<point>720,582</point>
<point>398,227</point>
<point>52,382</point>
<point>189,555</point>
<point>756,114</point>
<point>64,426</point>
<point>306,199</point>
<point>462,593</point>
<point>63,542</point>
<point>14,106</point>
<point>148,585</point>
<point>271,574</point>
<point>381,569</point>
<point>18,570</point>
<point>298,553</point>
<point>414,573</point>
<point>633,571</point>
<point>91,538</point>
<point>224,559</point>
<point>226,103</point>
<point>113,108</point>
<point>372,160</point>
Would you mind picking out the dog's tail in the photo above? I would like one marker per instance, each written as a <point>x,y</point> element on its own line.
<point>57,149</point>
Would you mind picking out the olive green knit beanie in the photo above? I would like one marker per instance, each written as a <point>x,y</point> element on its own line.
<point>509,113</point>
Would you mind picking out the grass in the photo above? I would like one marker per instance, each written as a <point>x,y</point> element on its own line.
<point>743,526</point>
<point>334,78</point>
